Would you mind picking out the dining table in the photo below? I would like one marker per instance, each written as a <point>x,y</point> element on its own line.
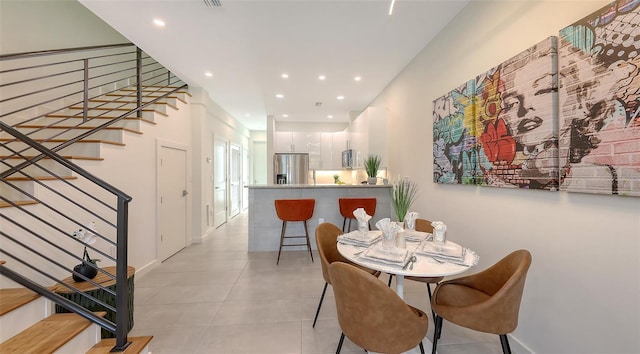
<point>422,256</point>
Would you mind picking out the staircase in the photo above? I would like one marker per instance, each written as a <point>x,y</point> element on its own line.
<point>45,193</point>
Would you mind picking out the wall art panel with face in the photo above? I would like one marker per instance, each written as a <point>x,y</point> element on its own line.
<point>455,153</point>
<point>516,120</point>
<point>599,69</point>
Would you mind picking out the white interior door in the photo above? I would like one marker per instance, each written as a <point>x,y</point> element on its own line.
<point>172,185</point>
<point>235,182</point>
<point>245,178</point>
<point>219,182</point>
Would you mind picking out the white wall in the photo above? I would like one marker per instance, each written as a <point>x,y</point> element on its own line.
<point>54,24</point>
<point>583,290</point>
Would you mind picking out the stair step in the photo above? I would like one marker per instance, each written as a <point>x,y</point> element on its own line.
<point>48,335</point>
<point>68,157</point>
<point>66,127</point>
<point>97,111</point>
<point>138,344</point>
<point>20,203</point>
<point>68,116</point>
<point>133,101</point>
<point>38,178</point>
<point>11,299</point>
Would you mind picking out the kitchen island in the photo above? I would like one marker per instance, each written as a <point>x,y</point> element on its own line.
<point>264,225</point>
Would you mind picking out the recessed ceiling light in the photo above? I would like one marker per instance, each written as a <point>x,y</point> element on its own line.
<point>340,97</point>
<point>357,78</point>
<point>158,22</point>
<point>330,116</point>
<point>208,74</point>
<point>321,77</point>
<point>284,76</point>
<point>285,116</point>
<point>279,95</point>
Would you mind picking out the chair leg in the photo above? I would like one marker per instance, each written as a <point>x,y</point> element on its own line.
<point>340,343</point>
<point>421,348</point>
<point>436,333</point>
<point>390,278</point>
<point>433,314</point>
<point>324,290</point>
<point>284,227</point>
<point>504,341</point>
<point>344,223</point>
<point>306,232</point>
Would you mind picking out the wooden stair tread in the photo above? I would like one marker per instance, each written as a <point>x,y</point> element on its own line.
<point>101,117</point>
<point>68,157</point>
<point>133,101</point>
<point>21,203</point>
<point>51,334</point>
<point>65,140</point>
<point>11,299</point>
<point>119,109</point>
<point>136,346</point>
<point>38,178</point>
<point>36,126</point>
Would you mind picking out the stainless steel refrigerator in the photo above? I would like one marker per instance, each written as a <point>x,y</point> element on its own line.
<point>291,168</point>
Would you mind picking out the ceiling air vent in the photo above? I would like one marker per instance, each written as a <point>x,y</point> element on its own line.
<point>212,3</point>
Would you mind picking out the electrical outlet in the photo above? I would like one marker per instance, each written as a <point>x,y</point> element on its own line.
<point>320,221</point>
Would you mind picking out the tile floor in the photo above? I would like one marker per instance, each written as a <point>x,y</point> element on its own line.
<point>215,297</point>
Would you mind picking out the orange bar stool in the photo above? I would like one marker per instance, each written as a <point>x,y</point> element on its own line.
<point>349,205</point>
<point>292,210</point>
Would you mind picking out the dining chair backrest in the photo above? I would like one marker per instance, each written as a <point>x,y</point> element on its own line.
<point>502,284</point>
<point>327,242</point>
<point>372,315</point>
<point>424,225</point>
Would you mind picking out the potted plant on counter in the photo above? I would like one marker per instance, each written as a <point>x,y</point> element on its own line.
<point>371,166</point>
<point>403,195</point>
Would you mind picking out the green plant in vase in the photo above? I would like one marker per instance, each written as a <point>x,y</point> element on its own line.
<point>371,166</point>
<point>403,195</point>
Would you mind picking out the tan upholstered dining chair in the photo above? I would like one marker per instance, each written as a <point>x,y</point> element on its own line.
<point>372,315</point>
<point>488,301</point>
<point>326,240</point>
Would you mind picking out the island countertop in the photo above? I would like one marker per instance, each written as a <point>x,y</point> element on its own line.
<point>333,185</point>
<point>264,225</point>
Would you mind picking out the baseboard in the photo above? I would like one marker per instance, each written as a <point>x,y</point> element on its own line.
<point>518,347</point>
<point>147,268</point>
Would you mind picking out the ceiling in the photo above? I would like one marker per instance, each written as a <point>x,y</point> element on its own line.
<point>248,44</point>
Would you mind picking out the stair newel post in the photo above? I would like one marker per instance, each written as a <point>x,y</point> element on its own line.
<point>85,90</point>
<point>122,284</point>
<point>139,80</point>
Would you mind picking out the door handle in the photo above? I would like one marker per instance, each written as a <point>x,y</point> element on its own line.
<point>184,193</point>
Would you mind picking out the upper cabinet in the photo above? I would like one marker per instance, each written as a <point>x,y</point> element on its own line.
<point>368,135</point>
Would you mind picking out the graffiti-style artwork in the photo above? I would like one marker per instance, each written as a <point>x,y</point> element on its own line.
<point>516,117</point>
<point>454,139</point>
<point>599,70</point>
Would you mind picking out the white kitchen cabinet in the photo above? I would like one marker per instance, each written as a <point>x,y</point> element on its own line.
<point>284,142</point>
<point>338,145</point>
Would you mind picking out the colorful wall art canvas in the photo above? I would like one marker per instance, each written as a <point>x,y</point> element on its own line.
<point>599,73</point>
<point>500,129</point>
<point>454,139</point>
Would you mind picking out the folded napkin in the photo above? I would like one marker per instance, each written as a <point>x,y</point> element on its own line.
<point>448,250</point>
<point>416,236</point>
<point>410,220</point>
<point>387,226</point>
<point>439,231</point>
<point>449,253</point>
<point>361,215</point>
<point>357,238</point>
<point>392,255</point>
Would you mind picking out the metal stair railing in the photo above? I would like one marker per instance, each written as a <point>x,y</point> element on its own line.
<point>55,98</point>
